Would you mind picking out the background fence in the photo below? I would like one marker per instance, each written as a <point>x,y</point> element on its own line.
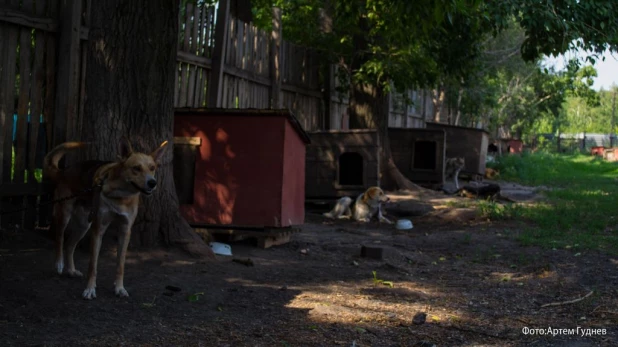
<point>222,61</point>
<point>260,70</point>
<point>40,79</point>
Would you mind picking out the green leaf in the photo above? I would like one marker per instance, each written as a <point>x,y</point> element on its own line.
<point>194,297</point>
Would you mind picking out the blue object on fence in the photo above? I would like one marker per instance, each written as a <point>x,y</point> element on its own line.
<point>41,147</point>
<point>15,124</point>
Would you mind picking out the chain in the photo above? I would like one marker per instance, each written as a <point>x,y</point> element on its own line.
<point>83,192</point>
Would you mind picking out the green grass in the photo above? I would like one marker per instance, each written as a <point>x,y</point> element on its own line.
<point>38,173</point>
<point>581,207</point>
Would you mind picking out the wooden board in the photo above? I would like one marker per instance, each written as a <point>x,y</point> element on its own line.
<point>264,238</point>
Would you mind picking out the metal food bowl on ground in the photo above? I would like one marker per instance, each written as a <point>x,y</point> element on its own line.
<point>404,224</point>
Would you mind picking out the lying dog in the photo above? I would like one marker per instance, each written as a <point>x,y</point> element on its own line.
<point>366,206</point>
<point>491,173</point>
<point>114,201</point>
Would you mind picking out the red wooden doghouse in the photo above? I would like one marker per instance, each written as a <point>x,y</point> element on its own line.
<point>597,150</point>
<point>247,169</point>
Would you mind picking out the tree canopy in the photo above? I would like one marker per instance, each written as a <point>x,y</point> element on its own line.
<point>484,55</point>
<point>413,43</point>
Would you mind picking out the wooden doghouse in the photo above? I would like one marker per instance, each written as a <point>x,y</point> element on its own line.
<point>242,168</point>
<point>469,143</point>
<point>341,163</point>
<point>512,146</point>
<point>597,150</point>
<point>609,154</point>
<point>419,153</point>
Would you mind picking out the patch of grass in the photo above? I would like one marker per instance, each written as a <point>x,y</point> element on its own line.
<point>581,203</point>
<point>376,280</point>
<point>496,211</point>
<point>460,203</point>
<point>38,173</point>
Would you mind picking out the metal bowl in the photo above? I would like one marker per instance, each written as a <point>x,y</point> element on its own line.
<point>404,224</point>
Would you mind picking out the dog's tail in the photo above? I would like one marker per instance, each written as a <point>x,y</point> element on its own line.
<point>50,163</point>
<point>340,208</point>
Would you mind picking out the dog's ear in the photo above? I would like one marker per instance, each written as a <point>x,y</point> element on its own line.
<point>365,197</point>
<point>372,193</point>
<point>125,148</point>
<point>156,154</point>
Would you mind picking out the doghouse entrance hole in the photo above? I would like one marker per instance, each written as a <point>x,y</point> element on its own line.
<point>184,172</point>
<point>351,169</point>
<point>425,155</point>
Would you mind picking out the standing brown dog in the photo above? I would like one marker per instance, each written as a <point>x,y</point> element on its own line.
<point>116,201</point>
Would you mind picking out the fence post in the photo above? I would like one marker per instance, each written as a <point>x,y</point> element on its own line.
<point>326,26</point>
<point>406,108</point>
<point>558,143</point>
<point>67,76</point>
<point>327,92</point>
<point>215,85</point>
<point>275,60</point>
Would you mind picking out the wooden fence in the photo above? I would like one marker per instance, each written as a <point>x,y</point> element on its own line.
<point>236,65</point>
<point>222,62</point>
<point>39,95</point>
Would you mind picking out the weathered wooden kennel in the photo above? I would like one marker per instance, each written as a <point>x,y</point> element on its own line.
<point>240,167</point>
<point>419,153</point>
<point>469,143</point>
<point>341,163</point>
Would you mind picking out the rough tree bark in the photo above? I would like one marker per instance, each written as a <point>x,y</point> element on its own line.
<point>368,109</point>
<point>438,103</point>
<point>459,97</point>
<point>129,91</point>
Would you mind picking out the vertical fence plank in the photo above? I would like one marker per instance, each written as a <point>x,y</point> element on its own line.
<point>184,77</point>
<point>82,73</point>
<point>68,70</point>
<point>195,26</point>
<point>187,32</point>
<point>181,36</point>
<point>199,51</point>
<point>176,84</point>
<point>191,85</point>
<point>215,85</point>
<point>208,30</point>
<point>36,104</point>
<point>7,109</point>
<point>7,106</point>
<point>275,60</point>
<point>49,103</point>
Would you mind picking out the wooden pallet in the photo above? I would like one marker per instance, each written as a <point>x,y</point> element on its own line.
<point>264,237</point>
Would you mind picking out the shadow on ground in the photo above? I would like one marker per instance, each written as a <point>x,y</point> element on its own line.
<point>476,285</point>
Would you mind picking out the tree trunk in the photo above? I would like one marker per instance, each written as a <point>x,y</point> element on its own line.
<point>368,109</point>
<point>459,97</point>
<point>438,103</point>
<point>130,67</point>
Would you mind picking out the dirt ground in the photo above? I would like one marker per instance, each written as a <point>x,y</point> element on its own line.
<point>473,282</point>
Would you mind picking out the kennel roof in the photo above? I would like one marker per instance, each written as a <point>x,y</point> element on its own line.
<point>250,112</point>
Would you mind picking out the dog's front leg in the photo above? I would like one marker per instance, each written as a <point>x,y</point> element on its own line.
<point>124,236</point>
<point>456,179</point>
<point>95,246</point>
<point>61,218</point>
<point>381,217</point>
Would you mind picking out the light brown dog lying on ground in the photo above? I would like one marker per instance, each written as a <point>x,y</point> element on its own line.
<point>366,206</point>
<point>115,201</point>
<point>491,173</point>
